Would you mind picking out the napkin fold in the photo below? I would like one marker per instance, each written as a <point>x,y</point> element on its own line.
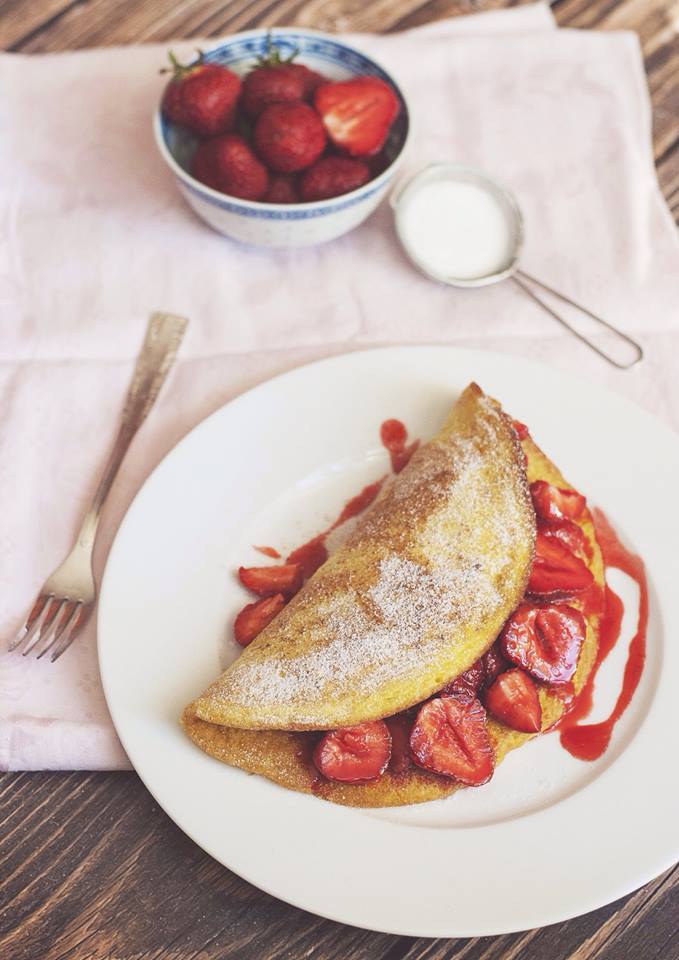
<point>95,236</point>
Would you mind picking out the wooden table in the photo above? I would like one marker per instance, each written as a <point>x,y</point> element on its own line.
<point>90,867</point>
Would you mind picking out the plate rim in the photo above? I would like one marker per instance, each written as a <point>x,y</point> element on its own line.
<point>614,891</point>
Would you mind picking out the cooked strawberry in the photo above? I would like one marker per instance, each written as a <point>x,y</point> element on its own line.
<point>201,96</point>
<point>545,640</point>
<point>465,686</point>
<point>354,754</point>
<point>555,504</point>
<point>494,662</point>
<point>331,177</point>
<point>357,113</point>
<point>289,136</point>
<point>271,84</point>
<point>399,730</point>
<point>310,556</point>
<point>450,737</point>
<point>569,534</point>
<point>513,700</point>
<point>521,429</point>
<point>228,164</point>
<point>401,458</point>
<point>255,616</point>
<point>284,578</point>
<point>556,572</point>
<point>281,189</point>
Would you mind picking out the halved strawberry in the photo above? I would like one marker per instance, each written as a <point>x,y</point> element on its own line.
<point>555,504</point>
<point>399,728</point>
<point>545,640</point>
<point>569,534</point>
<point>255,616</point>
<point>513,700</point>
<point>494,662</point>
<point>354,754</point>
<point>556,572</point>
<point>465,686</point>
<point>357,113</point>
<point>284,578</point>
<point>401,458</point>
<point>450,737</point>
<point>310,556</point>
<point>521,429</point>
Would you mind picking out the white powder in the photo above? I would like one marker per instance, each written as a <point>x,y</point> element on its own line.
<point>446,530</point>
<point>456,229</point>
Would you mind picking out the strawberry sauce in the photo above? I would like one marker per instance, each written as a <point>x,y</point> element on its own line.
<point>269,552</point>
<point>313,554</point>
<point>589,741</point>
<point>393,435</point>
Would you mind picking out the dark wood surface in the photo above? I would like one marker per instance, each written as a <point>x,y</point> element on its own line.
<point>90,867</point>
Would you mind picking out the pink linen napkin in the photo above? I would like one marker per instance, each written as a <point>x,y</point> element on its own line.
<point>95,236</point>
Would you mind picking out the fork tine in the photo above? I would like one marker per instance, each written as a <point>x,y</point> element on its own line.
<point>71,630</point>
<point>46,620</point>
<point>33,621</point>
<point>57,625</point>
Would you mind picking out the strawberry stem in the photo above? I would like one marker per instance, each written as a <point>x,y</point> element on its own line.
<point>180,70</point>
<point>273,55</point>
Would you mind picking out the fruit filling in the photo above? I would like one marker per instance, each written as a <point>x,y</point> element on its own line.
<point>354,754</point>
<point>544,640</point>
<point>450,737</point>
<point>448,734</point>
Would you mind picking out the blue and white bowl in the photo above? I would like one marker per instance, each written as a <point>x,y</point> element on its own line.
<point>274,224</point>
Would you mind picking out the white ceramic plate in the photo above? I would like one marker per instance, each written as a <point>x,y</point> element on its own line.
<point>550,837</point>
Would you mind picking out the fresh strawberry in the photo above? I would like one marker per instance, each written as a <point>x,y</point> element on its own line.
<point>399,730</point>
<point>465,686</point>
<point>201,97</point>
<point>545,640</point>
<point>521,429</point>
<point>331,177</point>
<point>554,504</point>
<point>556,572</point>
<point>289,137</point>
<point>311,80</point>
<point>450,737</point>
<point>513,700</point>
<point>354,754</point>
<point>569,534</point>
<point>285,578</point>
<point>281,189</point>
<point>255,616</point>
<point>228,164</point>
<point>271,84</point>
<point>494,662</point>
<point>357,113</point>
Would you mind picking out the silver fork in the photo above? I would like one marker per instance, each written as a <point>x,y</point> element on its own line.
<point>67,597</point>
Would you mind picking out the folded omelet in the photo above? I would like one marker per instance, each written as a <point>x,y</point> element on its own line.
<point>418,592</point>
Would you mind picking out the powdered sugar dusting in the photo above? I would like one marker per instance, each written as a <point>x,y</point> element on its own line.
<point>441,542</point>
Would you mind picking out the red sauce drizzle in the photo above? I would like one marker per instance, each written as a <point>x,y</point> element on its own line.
<point>269,552</point>
<point>589,741</point>
<point>313,554</point>
<point>393,435</point>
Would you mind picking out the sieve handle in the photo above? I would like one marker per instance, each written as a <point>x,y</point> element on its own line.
<point>520,278</point>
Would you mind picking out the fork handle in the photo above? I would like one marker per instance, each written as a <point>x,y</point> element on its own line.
<point>164,334</point>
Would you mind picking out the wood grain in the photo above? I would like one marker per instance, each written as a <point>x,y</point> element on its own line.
<point>90,867</point>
